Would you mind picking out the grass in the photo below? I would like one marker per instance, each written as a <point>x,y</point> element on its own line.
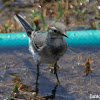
<point>60,11</point>
<point>13,92</point>
<point>5,28</point>
<point>37,16</point>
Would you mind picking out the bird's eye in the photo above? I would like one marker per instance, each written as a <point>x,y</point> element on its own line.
<point>55,31</point>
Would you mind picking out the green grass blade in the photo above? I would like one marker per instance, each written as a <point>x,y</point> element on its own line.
<point>60,15</point>
<point>15,90</point>
<point>9,98</point>
<point>60,11</point>
<point>43,20</point>
<point>5,27</point>
<point>59,6</point>
<point>33,25</point>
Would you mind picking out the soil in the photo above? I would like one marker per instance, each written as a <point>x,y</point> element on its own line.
<point>17,67</point>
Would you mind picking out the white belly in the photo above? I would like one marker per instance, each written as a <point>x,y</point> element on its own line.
<point>34,54</point>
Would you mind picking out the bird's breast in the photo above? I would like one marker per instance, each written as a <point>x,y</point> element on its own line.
<point>58,47</point>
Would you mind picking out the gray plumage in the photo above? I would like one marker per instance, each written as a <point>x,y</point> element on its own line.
<point>46,47</point>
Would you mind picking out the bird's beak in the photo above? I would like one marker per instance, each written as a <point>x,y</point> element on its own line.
<point>63,34</point>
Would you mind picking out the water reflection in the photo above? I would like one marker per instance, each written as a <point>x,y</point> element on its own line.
<point>32,93</point>
<point>52,96</point>
<point>36,91</point>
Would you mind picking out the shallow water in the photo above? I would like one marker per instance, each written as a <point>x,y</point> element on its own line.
<point>17,66</point>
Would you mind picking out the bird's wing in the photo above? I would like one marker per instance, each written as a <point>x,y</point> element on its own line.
<point>39,40</point>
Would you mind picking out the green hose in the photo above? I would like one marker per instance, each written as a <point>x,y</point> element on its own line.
<point>76,38</point>
<point>84,38</point>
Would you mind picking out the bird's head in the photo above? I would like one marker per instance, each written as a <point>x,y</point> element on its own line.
<point>57,30</point>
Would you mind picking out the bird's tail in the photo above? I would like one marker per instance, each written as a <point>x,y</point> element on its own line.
<point>26,26</point>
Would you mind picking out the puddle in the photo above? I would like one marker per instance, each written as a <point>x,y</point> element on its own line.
<point>17,67</point>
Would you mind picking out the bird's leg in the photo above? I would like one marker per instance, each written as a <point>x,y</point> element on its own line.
<point>35,93</point>
<point>38,64</point>
<point>55,72</point>
<point>37,76</point>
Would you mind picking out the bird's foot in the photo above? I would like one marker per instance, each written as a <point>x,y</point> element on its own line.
<point>51,68</point>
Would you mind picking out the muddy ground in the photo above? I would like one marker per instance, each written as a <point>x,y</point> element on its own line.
<point>17,67</point>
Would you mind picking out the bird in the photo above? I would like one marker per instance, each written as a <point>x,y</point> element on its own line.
<point>47,47</point>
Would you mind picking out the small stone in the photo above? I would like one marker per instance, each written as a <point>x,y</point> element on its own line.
<point>78,63</point>
<point>6,67</point>
<point>98,7</point>
<point>34,93</point>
